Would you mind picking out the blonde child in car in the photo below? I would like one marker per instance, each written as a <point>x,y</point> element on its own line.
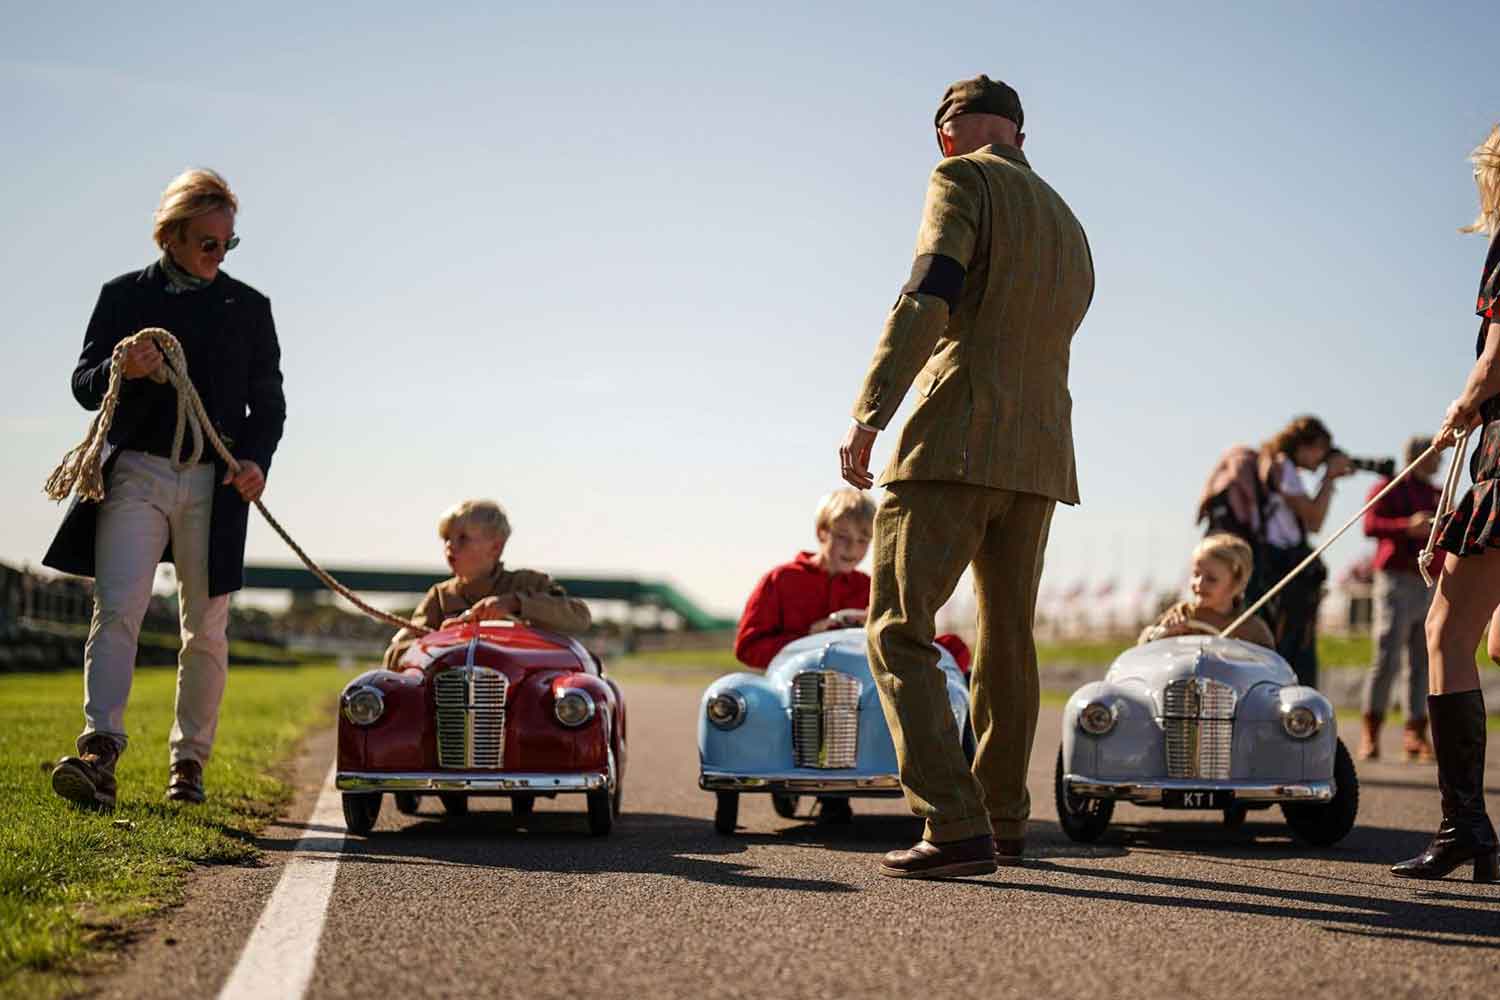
<point>1221,569</point>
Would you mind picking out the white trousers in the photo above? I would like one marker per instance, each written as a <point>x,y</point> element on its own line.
<point>146,503</point>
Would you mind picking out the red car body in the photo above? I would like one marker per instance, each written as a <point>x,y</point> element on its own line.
<point>489,708</point>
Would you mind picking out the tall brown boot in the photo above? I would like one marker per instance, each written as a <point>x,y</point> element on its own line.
<point>1465,835</point>
<point>1369,741</point>
<point>1414,742</point>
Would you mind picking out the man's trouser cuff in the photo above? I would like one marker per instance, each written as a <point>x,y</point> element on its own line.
<point>963,829</point>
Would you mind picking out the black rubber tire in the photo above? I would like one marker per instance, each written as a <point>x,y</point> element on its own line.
<point>1083,820</point>
<point>522,806</point>
<point>835,810</point>
<point>617,801</point>
<point>361,810</point>
<point>601,812</point>
<point>407,803</point>
<point>1325,824</point>
<point>454,803</point>
<point>726,812</point>
<point>1234,816</point>
<point>970,745</point>
<point>785,805</point>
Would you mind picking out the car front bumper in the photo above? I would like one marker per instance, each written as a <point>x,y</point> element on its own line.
<point>801,783</point>
<point>472,781</point>
<point>1149,791</point>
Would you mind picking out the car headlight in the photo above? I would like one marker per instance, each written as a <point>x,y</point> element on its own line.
<point>573,707</point>
<point>363,705</point>
<point>726,709</point>
<point>1097,718</point>
<point>1299,722</point>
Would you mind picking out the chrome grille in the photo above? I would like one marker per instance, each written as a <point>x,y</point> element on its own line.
<point>470,717</point>
<point>825,719</point>
<point>1198,719</point>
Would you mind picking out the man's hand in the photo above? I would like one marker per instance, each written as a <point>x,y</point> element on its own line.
<point>251,482</point>
<point>141,359</point>
<point>854,457</point>
<point>1419,524</point>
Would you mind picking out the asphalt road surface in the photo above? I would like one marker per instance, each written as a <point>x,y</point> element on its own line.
<point>1166,904</point>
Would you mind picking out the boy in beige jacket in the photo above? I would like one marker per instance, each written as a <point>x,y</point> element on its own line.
<point>474,534</point>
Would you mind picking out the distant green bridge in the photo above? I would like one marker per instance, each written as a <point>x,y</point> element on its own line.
<point>636,593</point>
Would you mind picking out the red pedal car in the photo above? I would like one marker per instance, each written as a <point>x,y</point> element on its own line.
<point>494,708</point>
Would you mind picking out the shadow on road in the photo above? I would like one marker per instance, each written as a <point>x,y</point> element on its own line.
<point>1426,917</point>
<point>558,841</point>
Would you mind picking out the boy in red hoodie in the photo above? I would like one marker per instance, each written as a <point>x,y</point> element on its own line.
<point>817,590</point>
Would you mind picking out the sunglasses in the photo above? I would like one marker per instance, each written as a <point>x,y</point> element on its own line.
<point>211,245</point>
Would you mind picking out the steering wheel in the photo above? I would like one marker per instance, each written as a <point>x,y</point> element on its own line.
<point>1191,624</point>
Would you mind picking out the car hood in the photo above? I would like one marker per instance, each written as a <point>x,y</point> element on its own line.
<point>1241,665</point>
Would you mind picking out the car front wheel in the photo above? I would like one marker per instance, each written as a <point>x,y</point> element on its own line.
<point>454,803</point>
<point>1326,823</point>
<point>361,810</point>
<point>407,803</point>
<point>785,805</point>
<point>522,806</point>
<point>601,812</point>
<point>1082,819</point>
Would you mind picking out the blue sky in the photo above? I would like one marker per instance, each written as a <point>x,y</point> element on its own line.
<point>622,267</point>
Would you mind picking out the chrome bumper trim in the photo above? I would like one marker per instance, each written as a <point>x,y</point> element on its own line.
<point>1149,792</point>
<point>870,784</point>
<point>468,781</point>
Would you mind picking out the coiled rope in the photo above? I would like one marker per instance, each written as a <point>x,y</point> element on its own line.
<point>1445,503</point>
<point>82,469</point>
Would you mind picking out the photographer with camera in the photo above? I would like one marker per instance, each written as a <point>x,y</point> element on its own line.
<point>1289,516</point>
<point>1400,523</point>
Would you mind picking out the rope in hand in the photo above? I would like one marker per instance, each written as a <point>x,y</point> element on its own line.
<point>1445,504</point>
<point>1450,485</point>
<point>82,469</point>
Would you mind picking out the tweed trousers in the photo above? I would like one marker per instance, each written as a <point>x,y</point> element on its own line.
<point>926,534</point>
<point>146,504</point>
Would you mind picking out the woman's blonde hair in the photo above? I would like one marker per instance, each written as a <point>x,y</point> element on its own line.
<point>845,503</point>
<point>192,193</point>
<point>1486,160</point>
<point>486,514</point>
<point>1234,552</point>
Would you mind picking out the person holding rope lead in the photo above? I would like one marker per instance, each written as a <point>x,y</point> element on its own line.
<point>1468,589</point>
<point>157,503</point>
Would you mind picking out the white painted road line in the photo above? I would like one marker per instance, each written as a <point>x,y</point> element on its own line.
<point>279,958</point>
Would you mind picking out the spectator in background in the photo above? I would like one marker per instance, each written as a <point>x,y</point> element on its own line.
<point>1400,523</point>
<point>1290,516</point>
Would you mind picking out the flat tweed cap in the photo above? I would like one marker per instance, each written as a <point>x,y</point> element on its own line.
<point>980,96</point>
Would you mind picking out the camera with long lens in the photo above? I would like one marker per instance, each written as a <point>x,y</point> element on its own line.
<point>1380,466</point>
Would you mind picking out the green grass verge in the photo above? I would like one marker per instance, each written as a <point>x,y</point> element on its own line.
<point>72,880</point>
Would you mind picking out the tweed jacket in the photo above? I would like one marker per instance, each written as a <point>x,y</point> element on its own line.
<point>1002,279</point>
<point>544,602</point>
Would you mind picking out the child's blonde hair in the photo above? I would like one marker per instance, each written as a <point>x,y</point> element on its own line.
<point>485,514</point>
<point>1486,160</point>
<point>1234,552</point>
<point>845,503</point>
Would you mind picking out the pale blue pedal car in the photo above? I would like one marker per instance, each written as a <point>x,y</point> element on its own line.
<point>1203,722</point>
<point>810,725</point>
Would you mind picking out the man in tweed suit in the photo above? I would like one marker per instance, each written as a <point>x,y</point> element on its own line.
<point>1001,282</point>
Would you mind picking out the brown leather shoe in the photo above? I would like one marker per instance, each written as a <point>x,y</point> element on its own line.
<point>89,778</point>
<point>1369,740</point>
<point>1010,850</point>
<point>185,783</point>
<point>1414,742</point>
<point>973,856</point>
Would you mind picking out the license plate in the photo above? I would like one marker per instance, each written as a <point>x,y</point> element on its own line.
<point>1190,798</point>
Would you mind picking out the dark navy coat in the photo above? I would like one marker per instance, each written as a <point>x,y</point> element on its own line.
<point>234,360</point>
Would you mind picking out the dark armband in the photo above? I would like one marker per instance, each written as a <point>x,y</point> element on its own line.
<point>936,274</point>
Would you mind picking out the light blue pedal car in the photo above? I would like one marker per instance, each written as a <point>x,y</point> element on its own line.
<point>1202,722</point>
<point>810,725</point>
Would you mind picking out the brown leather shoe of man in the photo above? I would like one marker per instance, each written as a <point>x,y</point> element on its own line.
<point>974,856</point>
<point>186,782</point>
<point>1414,742</point>
<point>1010,851</point>
<point>89,778</point>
